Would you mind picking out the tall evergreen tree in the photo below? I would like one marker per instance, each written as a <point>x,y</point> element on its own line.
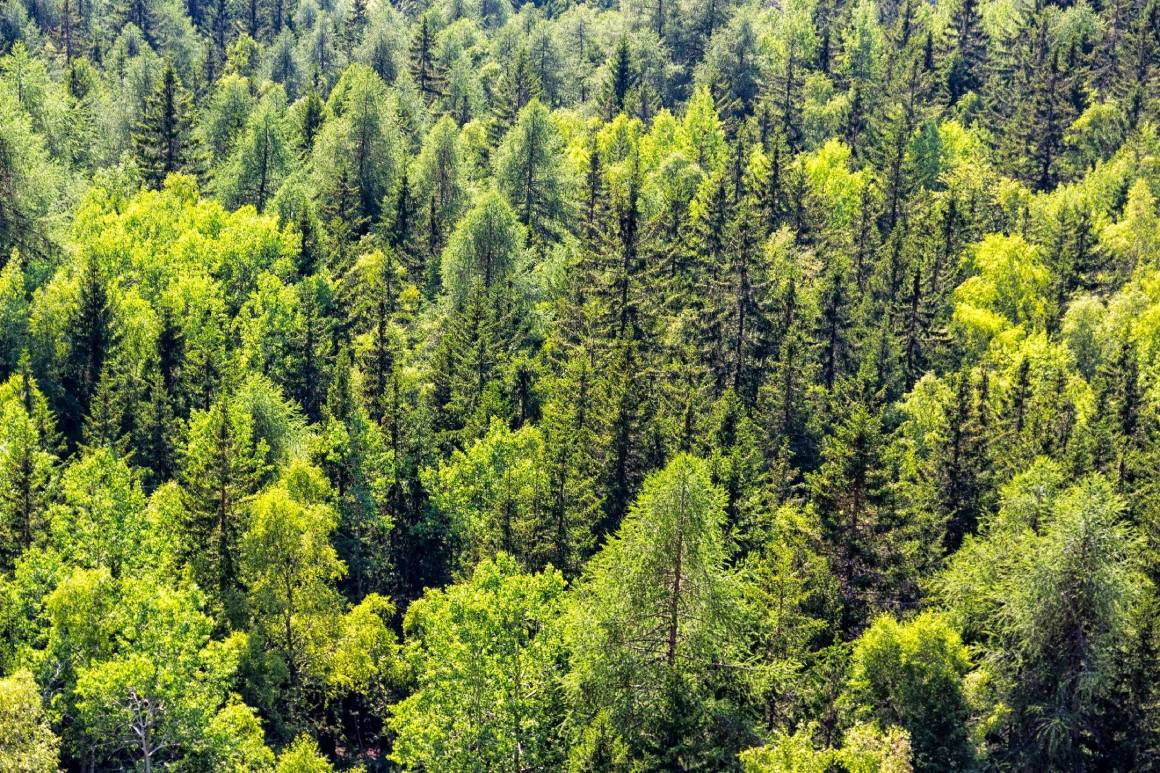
<point>162,139</point>
<point>220,470</point>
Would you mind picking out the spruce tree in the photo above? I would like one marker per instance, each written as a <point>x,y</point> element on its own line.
<point>966,45</point>
<point>27,468</point>
<point>620,81</point>
<point>852,493</point>
<point>162,139</point>
<point>425,66</point>
<point>220,469</point>
<point>92,337</point>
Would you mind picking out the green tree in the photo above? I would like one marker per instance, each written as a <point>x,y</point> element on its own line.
<point>355,157</point>
<point>656,620</point>
<point>438,192</point>
<point>220,468</point>
<point>28,741</point>
<point>484,248</point>
<point>289,567</point>
<point>352,453</point>
<point>27,465</point>
<point>488,656</point>
<point>226,114</point>
<point>528,172</point>
<point>865,747</point>
<point>162,139</point>
<point>910,674</point>
<point>967,51</point>
<point>494,492</point>
<point>152,698</point>
<point>262,159</point>
<point>100,521</point>
<point>851,490</point>
<point>426,67</point>
<point>1051,598</point>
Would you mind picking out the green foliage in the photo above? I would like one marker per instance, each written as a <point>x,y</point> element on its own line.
<point>483,249</point>
<point>29,743</point>
<point>657,616</point>
<point>162,138</point>
<point>911,675</point>
<point>487,655</point>
<point>1060,597</point>
<point>528,172</point>
<point>866,749</point>
<point>680,377</point>
<point>221,466</point>
<point>262,159</point>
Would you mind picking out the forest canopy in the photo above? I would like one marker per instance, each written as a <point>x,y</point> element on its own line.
<point>462,385</point>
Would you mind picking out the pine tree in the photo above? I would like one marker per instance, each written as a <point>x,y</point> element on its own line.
<point>786,89</point>
<point>403,230</point>
<point>139,13</point>
<point>155,431</point>
<point>834,324</point>
<point>478,340</point>
<point>351,451</point>
<point>625,408</point>
<point>654,633</point>
<point>1137,87</point>
<point>571,458</point>
<point>518,86</point>
<point>73,31</point>
<point>111,417</point>
<point>616,259</point>
<point>962,463</point>
<point>1107,58</point>
<point>27,468</point>
<point>356,24</point>
<point>218,22</point>
<point>740,287</point>
<point>311,119</point>
<point>1051,115</point>
<point>261,161</point>
<point>311,346</point>
<point>528,171</point>
<point>162,139</point>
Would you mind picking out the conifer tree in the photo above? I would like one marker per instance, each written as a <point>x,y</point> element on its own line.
<point>162,139</point>
<point>572,502</point>
<point>654,619</point>
<point>220,470</point>
<point>425,66</point>
<point>852,493</point>
<point>262,158</point>
<point>529,173</point>
<point>621,80</point>
<point>92,338</point>
<point>741,285</point>
<point>518,86</point>
<point>27,471</point>
<point>966,45</point>
<point>352,454</point>
<point>962,465</point>
<point>311,120</point>
<point>1142,65</point>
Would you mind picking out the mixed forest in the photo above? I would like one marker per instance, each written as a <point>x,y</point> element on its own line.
<point>465,385</point>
